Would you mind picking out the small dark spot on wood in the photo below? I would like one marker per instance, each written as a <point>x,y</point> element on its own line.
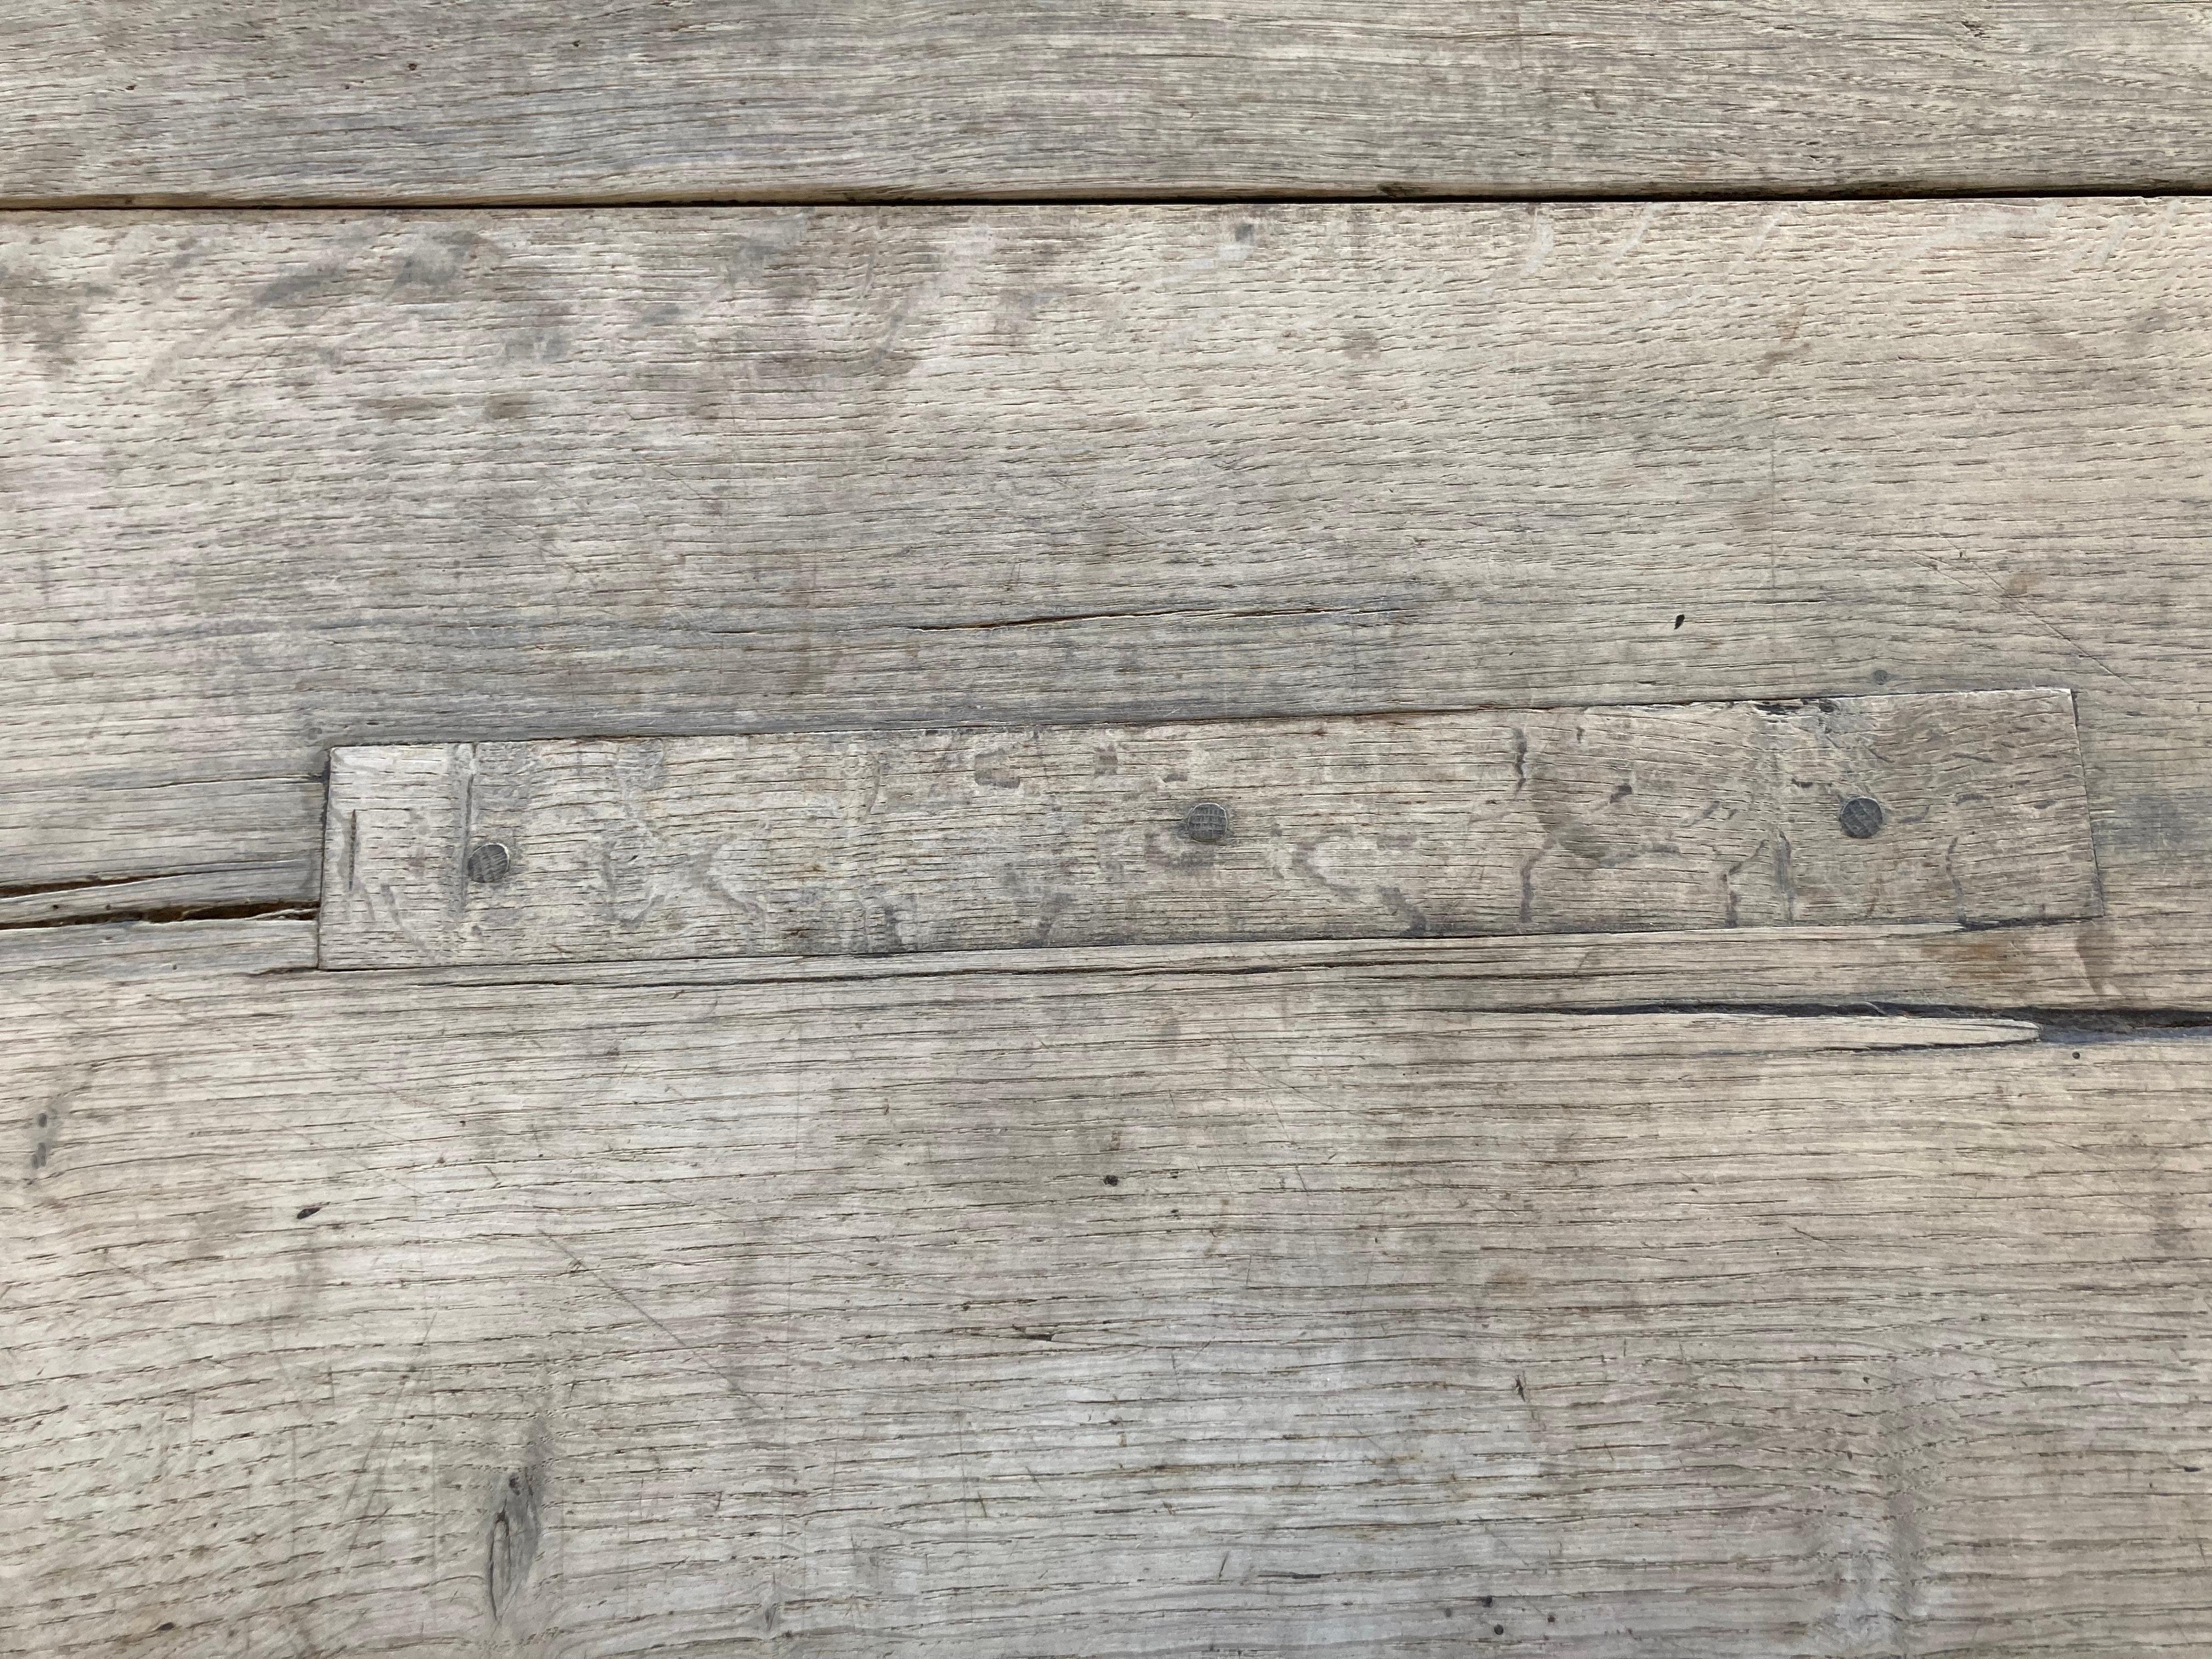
<point>1551,1618</point>
<point>1244,232</point>
<point>39,1155</point>
<point>1879,677</point>
<point>411,66</point>
<point>1206,822</point>
<point>1112,1181</point>
<point>42,1119</point>
<point>489,862</point>
<point>2192,1468</point>
<point>1498,1630</point>
<point>166,1624</point>
<point>305,1210</point>
<point>1680,617</point>
<point>1488,1600</point>
<point>1861,817</point>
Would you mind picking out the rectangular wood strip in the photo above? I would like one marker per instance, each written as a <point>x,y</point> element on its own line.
<point>1892,967</point>
<point>385,102</point>
<point>282,482</point>
<point>1967,807</point>
<point>1088,1315</point>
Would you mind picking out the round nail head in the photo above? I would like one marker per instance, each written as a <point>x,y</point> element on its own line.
<point>1861,817</point>
<point>1206,822</point>
<point>488,862</point>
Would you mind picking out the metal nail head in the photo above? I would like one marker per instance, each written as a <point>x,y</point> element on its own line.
<point>488,862</point>
<point>1206,822</point>
<point>1861,817</point>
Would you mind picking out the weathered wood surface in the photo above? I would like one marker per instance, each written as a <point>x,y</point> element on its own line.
<point>1966,807</point>
<point>1892,970</point>
<point>229,840</point>
<point>385,100</point>
<point>281,483</point>
<point>1084,1315</point>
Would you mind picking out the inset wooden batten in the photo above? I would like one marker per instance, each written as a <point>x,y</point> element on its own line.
<point>1965,807</point>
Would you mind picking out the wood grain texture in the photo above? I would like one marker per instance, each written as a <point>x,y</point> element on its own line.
<point>281,483</point>
<point>409,100</point>
<point>124,951</point>
<point>1535,821</point>
<point>1083,1314</point>
<point>1890,968</point>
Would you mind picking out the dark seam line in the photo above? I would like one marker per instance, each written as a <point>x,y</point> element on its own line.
<point>401,202</point>
<point>2059,1025</point>
<point>93,884</point>
<point>299,909</point>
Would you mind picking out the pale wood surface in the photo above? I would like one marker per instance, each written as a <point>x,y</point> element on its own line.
<point>1887,968</point>
<point>386,101</point>
<point>280,483</point>
<point>1534,821</point>
<point>1083,1315</point>
<point>1181,1298</point>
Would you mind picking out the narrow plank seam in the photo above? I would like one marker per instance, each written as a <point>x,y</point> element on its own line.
<point>1376,195</point>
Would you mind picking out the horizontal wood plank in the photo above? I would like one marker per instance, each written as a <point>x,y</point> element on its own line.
<point>1966,807</point>
<point>410,101</point>
<point>1086,1314</point>
<point>1889,968</point>
<point>281,483</point>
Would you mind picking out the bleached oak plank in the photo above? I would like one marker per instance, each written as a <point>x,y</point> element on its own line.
<point>1889,968</point>
<point>228,948</point>
<point>236,841</point>
<point>281,483</point>
<point>407,100</point>
<point>1087,1315</point>
<point>1966,807</point>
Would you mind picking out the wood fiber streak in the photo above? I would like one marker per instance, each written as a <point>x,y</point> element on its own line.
<point>1085,1315</point>
<point>409,100</point>
<point>1897,968</point>
<point>1536,821</point>
<point>283,482</point>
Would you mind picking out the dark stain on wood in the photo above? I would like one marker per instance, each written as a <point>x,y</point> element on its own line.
<point>516,1525</point>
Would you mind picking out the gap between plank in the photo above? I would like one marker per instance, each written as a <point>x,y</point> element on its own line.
<point>2055,1026</point>
<point>288,910</point>
<point>1378,196</point>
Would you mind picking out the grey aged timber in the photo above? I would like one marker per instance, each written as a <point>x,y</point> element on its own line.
<point>1963,807</point>
<point>382,101</point>
<point>283,482</point>
<point>1079,1314</point>
<point>1105,929</point>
